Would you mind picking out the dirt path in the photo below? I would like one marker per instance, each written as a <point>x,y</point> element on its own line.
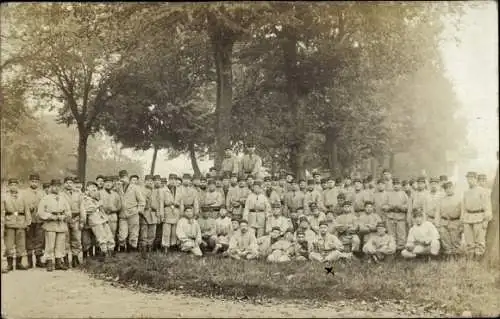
<point>70,294</point>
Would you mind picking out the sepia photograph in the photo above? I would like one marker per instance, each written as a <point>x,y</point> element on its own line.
<point>249,159</point>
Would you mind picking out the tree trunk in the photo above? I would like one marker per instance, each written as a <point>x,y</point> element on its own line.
<point>153,162</point>
<point>492,236</point>
<point>333,152</point>
<point>297,146</point>
<point>222,46</point>
<point>83,136</point>
<point>392,161</point>
<point>373,167</point>
<point>194,162</point>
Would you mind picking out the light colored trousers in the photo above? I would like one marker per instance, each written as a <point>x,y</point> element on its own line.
<point>450,233</point>
<point>169,237</point>
<point>432,249</point>
<point>15,242</point>
<point>74,237</point>
<point>128,228</point>
<point>397,229</point>
<point>55,245</point>
<point>475,238</point>
<point>104,237</point>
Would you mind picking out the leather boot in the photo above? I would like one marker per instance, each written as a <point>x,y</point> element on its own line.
<point>39,263</point>
<point>10,263</point>
<point>50,265</point>
<point>19,264</point>
<point>75,262</point>
<point>60,265</point>
<point>30,261</point>
<point>66,261</point>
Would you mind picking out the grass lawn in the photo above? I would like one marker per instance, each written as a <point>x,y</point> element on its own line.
<point>454,286</point>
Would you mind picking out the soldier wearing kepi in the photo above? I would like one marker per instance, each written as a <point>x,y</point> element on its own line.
<point>34,234</point>
<point>251,162</point>
<point>171,204</point>
<point>17,219</point>
<point>132,204</point>
<point>398,214</point>
<point>97,220</point>
<point>148,217</point>
<point>158,206</point>
<point>448,219</point>
<point>55,213</point>
<point>476,215</point>
<point>230,163</point>
<point>111,203</point>
<point>257,208</point>
<point>188,195</point>
<point>327,247</point>
<point>74,236</point>
<point>189,233</point>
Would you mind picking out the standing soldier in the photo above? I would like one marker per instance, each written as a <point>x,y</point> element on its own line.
<point>381,199</point>
<point>158,205</point>
<point>420,197</point>
<point>171,204</point>
<point>294,200</point>
<point>407,188</point>
<point>435,195</point>
<point>271,194</point>
<point>257,208</point>
<point>213,200</point>
<point>100,182</point>
<point>164,181</point>
<point>330,194</point>
<point>46,188</point>
<point>96,219</point>
<point>148,217</point>
<point>134,179</point>
<point>251,162</point>
<point>111,203</point>
<point>450,227</point>
<point>78,185</point>
<point>318,181</point>
<point>348,189</point>
<point>17,219</point>
<point>359,196</point>
<point>476,215</point>
<point>55,212</point>
<point>132,204</point>
<point>172,184</point>
<point>74,235</point>
<point>230,164</point>
<point>312,195</point>
<point>188,195</point>
<point>34,234</point>
<point>398,214</point>
<point>387,176</point>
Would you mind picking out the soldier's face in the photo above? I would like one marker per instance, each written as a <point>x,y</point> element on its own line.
<point>133,180</point>
<point>78,186</point>
<point>92,190</point>
<point>225,182</point>
<point>347,209</point>
<point>234,180</point>
<point>289,236</point>
<point>275,233</point>
<point>315,211</point>
<point>434,186</point>
<point>310,187</point>
<point>211,187</point>
<point>235,225</point>
<point>13,187</point>
<point>69,185</point>
<point>347,182</point>
<point>472,181</point>
<point>317,178</point>
<point>387,175</point>
<point>242,184</point>
<point>295,186</point>
<point>301,238</point>
<point>289,178</point>
<point>243,227</point>
<point>222,212</point>
<point>108,185</point>
<point>257,189</point>
<point>148,183</point>
<point>358,186</point>
<point>34,184</point>
<point>329,216</point>
<point>55,189</point>
<point>482,182</point>
<point>302,185</point>
<point>276,211</point>
<point>196,182</point>
<point>157,183</point>
<point>396,187</point>
<point>418,219</point>
<point>188,213</point>
<point>380,186</point>
<point>124,179</point>
<point>323,229</point>
<point>228,153</point>
<point>303,224</point>
<point>100,182</point>
<point>185,183</point>
<point>449,191</point>
<point>369,209</point>
<point>203,184</point>
<point>421,185</point>
<point>330,184</point>
<point>251,150</point>
<point>340,201</point>
<point>381,231</point>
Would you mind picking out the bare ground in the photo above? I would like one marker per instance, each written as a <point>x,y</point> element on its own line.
<point>74,294</point>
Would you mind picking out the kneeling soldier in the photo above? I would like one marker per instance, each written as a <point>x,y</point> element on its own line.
<point>380,244</point>
<point>17,219</point>
<point>327,247</point>
<point>243,243</point>
<point>55,212</point>
<point>208,229</point>
<point>423,238</point>
<point>96,219</point>
<point>189,233</point>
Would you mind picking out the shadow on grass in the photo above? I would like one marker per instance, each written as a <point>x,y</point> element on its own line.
<point>454,286</point>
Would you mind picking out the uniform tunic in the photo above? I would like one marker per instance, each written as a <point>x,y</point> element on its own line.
<point>240,242</point>
<point>17,219</point>
<point>377,244</point>
<point>280,221</point>
<point>251,164</point>
<point>34,233</point>
<point>315,220</point>
<point>256,209</point>
<point>223,229</point>
<point>368,223</point>
<point>189,197</point>
<point>418,237</point>
<point>230,165</point>
<point>476,214</point>
<point>327,248</point>
<point>189,234</point>
<point>312,197</point>
<point>450,226</point>
<point>381,202</point>
<point>294,200</point>
<point>330,198</point>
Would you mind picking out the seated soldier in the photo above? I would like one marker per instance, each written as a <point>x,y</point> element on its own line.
<point>380,244</point>
<point>243,243</point>
<point>315,217</point>
<point>188,232</point>
<point>330,219</point>
<point>306,229</point>
<point>346,226</point>
<point>423,238</point>
<point>265,242</point>
<point>208,231</point>
<point>368,221</point>
<point>282,249</point>
<point>302,248</point>
<point>277,219</point>
<point>327,247</point>
<point>223,230</point>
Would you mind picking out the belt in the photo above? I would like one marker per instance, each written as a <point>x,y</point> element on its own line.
<point>431,217</point>
<point>75,213</point>
<point>448,218</point>
<point>475,211</point>
<point>251,211</point>
<point>57,213</point>
<point>14,213</point>
<point>177,206</point>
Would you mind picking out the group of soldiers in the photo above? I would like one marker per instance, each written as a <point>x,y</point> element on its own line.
<point>280,218</point>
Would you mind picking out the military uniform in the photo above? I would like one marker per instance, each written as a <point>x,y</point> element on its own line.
<point>397,217</point>
<point>280,251</point>
<point>330,198</point>
<point>34,232</point>
<point>172,211</point>
<point>208,231</point>
<point>17,219</point>
<point>188,196</point>
<point>294,200</point>
<point>133,203</point>
<point>450,226</point>
<point>381,202</point>
<point>148,218</point>
<point>54,211</point>
<point>367,223</point>
<point>327,248</point>
<point>243,245</point>
<point>379,246</point>
<point>74,235</point>
<point>213,201</point>
<point>434,198</point>
<point>422,240</point>
<point>223,230</point>
<point>347,227</point>
<point>230,165</point>
<point>312,196</point>
<point>250,164</point>
<point>111,203</point>
<point>256,210</point>
<point>302,250</point>
<point>158,207</point>
<point>279,221</point>
<point>189,234</point>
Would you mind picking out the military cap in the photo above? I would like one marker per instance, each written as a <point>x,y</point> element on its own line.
<point>276,205</point>
<point>313,205</point>
<point>381,224</point>
<point>421,179</point>
<point>447,185</point>
<point>148,177</point>
<point>417,212</point>
<point>482,176</point>
<point>257,183</point>
<point>99,176</point>
<point>235,219</point>
<point>301,180</point>
<point>172,176</point>
<point>55,182</point>
<point>234,175</point>
<point>34,177</point>
<point>289,230</point>
<point>341,196</point>
<point>203,179</point>
<point>249,145</point>
<point>347,203</point>
<point>204,208</point>
<point>294,181</point>
<point>411,181</point>
<point>212,169</point>
<point>323,223</point>
<point>299,232</point>
<point>443,178</point>
<point>290,174</point>
<point>235,204</point>
<point>329,178</point>
<point>115,177</point>
<point>303,218</point>
<point>368,202</point>
<point>380,181</point>
<point>163,179</point>
<point>157,177</point>
<point>211,182</point>
<point>434,180</point>
<point>243,221</point>
<point>76,180</point>
<point>316,173</point>
<point>188,207</point>
<point>242,179</point>
<point>89,183</point>
<point>186,176</point>
<point>108,179</point>
<point>68,178</point>
<point>13,181</point>
<point>357,180</point>
<point>323,180</point>
<point>404,182</point>
<point>218,178</point>
<point>122,173</point>
<point>347,177</point>
<point>385,170</point>
<point>338,180</point>
<point>310,182</point>
<point>267,178</point>
<point>45,185</point>
<point>134,175</point>
<point>471,174</point>
<point>276,228</point>
<point>396,180</point>
<point>226,176</point>
<point>275,178</point>
<point>369,178</point>
<point>196,176</point>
